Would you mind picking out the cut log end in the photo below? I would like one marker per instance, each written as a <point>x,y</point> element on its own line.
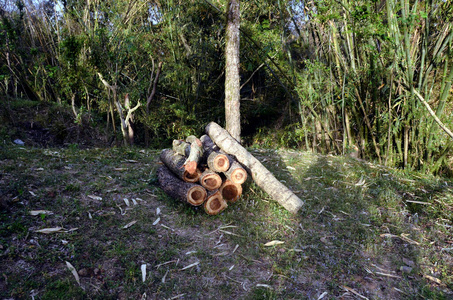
<point>239,176</point>
<point>218,162</point>
<point>196,195</point>
<point>191,167</point>
<point>210,180</point>
<point>192,177</point>
<point>215,204</point>
<point>230,191</point>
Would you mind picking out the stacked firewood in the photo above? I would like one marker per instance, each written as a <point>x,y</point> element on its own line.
<point>197,172</point>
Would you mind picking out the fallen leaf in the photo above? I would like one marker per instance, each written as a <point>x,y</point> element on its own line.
<point>157,211</point>
<point>40,212</point>
<point>163,278</point>
<point>120,169</point>
<point>190,266</point>
<point>73,271</point>
<point>129,224</point>
<point>434,279</point>
<point>95,197</point>
<point>134,201</point>
<point>143,268</point>
<point>273,243</point>
<point>31,193</point>
<point>264,285</point>
<point>157,221</point>
<point>51,230</point>
<point>126,201</point>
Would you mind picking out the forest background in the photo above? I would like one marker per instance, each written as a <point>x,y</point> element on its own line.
<point>328,76</point>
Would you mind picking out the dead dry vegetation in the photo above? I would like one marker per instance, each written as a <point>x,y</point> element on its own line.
<point>93,223</point>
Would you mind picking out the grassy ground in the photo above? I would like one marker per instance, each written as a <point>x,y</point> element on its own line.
<point>365,231</point>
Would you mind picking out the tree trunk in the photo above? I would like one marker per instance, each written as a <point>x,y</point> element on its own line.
<point>186,192</point>
<point>214,204</point>
<point>232,80</point>
<point>175,162</point>
<point>210,180</point>
<point>231,191</point>
<point>262,177</point>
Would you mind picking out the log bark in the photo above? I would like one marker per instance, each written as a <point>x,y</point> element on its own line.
<point>262,177</point>
<point>218,162</point>
<point>236,173</point>
<point>214,204</point>
<point>231,191</point>
<point>196,153</point>
<point>210,180</point>
<point>175,162</point>
<point>186,192</point>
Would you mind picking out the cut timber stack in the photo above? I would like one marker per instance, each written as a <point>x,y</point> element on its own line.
<point>210,171</point>
<point>196,172</point>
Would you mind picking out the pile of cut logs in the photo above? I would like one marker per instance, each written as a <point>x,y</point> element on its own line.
<point>197,172</point>
<point>209,171</point>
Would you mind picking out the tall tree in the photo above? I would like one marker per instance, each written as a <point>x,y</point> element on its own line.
<point>232,82</point>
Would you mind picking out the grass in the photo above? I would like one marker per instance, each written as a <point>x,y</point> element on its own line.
<point>364,230</point>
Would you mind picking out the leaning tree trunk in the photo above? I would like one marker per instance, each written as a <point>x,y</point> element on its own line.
<point>187,192</point>
<point>262,177</point>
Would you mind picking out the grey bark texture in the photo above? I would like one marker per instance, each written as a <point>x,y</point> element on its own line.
<point>232,79</point>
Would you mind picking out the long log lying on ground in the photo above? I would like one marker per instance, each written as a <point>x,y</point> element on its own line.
<point>230,191</point>
<point>210,180</point>
<point>262,177</point>
<point>217,162</point>
<point>215,204</point>
<point>191,193</point>
<point>175,162</point>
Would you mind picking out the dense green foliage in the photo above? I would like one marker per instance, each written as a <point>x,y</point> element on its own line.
<point>331,76</point>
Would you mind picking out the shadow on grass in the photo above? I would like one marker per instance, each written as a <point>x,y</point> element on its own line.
<point>356,233</point>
